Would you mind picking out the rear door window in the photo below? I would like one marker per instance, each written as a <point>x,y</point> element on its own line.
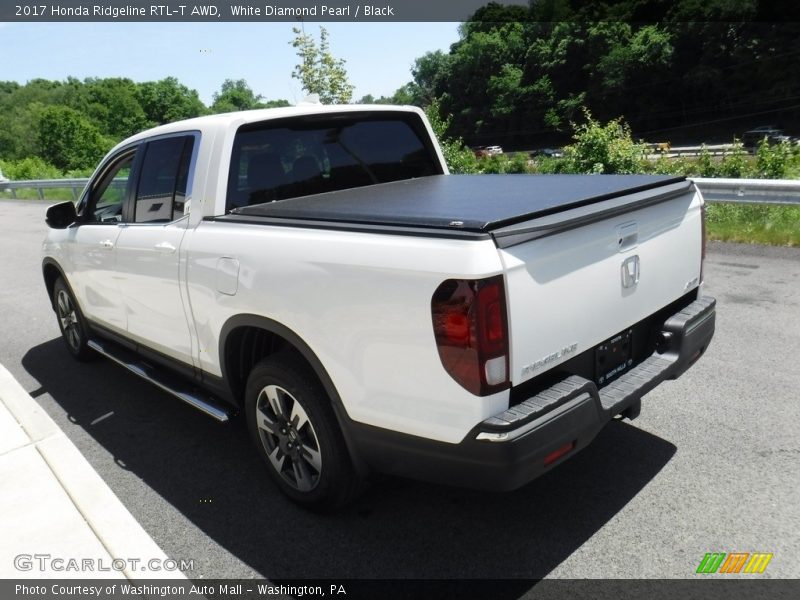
<point>163,179</point>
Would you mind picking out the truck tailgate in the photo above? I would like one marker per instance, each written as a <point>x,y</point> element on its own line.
<point>562,241</point>
<point>582,276</point>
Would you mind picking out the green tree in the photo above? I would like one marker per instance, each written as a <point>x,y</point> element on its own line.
<point>18,131</point>
<point>690,68</point>
<point>275,104</point>
<point>318,71</point>
<point>68,140</point>
<point>20,108</point>
<point>235,95</point>
<point>403,96</point>
<point>395,98</point>
<point>168,100</point>
<point>113,106</point>
<point>458,157</point>
<point>430,73</point>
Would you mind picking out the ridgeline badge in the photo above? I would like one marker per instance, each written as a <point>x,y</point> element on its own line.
<point>530,369</point>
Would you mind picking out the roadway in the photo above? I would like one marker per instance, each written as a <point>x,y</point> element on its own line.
<point>712,464</point>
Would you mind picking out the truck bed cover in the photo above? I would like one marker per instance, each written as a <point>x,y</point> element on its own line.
<point>473,203</point>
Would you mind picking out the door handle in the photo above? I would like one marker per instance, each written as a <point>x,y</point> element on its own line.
<point>108,244</point>
<point>165,248</point>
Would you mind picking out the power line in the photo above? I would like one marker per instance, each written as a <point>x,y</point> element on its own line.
<point>703,109</point>
<point>723,119</point>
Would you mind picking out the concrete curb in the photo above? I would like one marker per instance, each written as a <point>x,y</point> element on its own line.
<point>58,505</point>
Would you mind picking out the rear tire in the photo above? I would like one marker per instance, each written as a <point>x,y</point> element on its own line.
<point>71,322</point>
<point>292,424</point>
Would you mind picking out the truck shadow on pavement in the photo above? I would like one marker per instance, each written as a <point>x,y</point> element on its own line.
<point>397,529</point>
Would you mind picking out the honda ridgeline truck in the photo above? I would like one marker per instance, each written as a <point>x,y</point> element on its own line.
<point>319,270</point>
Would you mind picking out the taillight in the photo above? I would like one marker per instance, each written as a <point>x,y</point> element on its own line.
<point>471,330</point>
<point>703,242</point>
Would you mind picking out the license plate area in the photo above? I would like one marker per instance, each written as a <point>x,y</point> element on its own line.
<point>613,357</point>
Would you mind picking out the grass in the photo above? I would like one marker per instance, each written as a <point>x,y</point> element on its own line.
<point>754,224</point>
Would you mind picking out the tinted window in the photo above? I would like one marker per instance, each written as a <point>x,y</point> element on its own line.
<point>285,158</point>
<point>161,194</point>
<point>109,192</point>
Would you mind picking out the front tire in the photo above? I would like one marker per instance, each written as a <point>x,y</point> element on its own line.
<point>71,322</point>
<point>292,424</point>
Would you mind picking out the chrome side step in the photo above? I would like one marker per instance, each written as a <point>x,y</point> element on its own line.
<point>161,379</point>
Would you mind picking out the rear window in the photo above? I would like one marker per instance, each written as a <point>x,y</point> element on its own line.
<point>287,158</point>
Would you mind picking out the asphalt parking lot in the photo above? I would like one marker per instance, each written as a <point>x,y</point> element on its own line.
<point>712,464</point>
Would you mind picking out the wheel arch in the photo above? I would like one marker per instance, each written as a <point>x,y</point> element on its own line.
<point>51,271</point>
<point>233,339</point>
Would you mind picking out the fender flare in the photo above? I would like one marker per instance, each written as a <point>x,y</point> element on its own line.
<point>51,262</point>
<point>272,326</point>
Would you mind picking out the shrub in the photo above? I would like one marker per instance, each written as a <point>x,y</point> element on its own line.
<point>545,165</point>
<point>518,163</point>
<point>735,163</point>
<point>29,168</point>
<point>602,148</point>
<point>774,161</point>
<point>670,166</point>
<point>504,163</point>
<point>704,166</point>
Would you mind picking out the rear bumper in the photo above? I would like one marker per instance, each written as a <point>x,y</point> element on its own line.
<point>514,447</point>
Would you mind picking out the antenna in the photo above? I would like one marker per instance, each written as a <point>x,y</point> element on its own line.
<point>310,99</point>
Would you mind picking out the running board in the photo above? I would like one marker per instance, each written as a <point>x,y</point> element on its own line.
<point>161,379</point>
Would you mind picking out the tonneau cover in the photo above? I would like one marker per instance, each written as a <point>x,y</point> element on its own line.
<point>479,203</point>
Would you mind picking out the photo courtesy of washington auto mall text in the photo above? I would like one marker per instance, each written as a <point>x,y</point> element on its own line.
<point>177,590</point>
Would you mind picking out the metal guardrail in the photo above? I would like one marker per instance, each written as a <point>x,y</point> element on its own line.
<point>747,191</point>
<point>666,150</point>
<point>40,185</point>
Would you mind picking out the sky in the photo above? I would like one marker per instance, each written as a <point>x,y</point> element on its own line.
<point>202,55</point>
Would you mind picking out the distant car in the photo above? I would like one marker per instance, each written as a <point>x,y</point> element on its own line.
<point>3,178</point>
<point>547,152</point>
<point>659,147</point>
<point>774,135</point>
<point>486,151</point>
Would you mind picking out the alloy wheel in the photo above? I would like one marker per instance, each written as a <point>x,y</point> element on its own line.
<point>68,318</point>
<point>289,438</point>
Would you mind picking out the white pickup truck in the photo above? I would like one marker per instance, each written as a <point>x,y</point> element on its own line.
<point>317,269</point>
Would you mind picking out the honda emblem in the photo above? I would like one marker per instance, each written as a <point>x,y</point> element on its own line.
<point>630,271</point>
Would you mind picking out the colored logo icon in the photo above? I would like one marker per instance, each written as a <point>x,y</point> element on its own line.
<point>735,562</point>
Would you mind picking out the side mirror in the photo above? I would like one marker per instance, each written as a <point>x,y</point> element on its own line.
<point>61,215</point>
